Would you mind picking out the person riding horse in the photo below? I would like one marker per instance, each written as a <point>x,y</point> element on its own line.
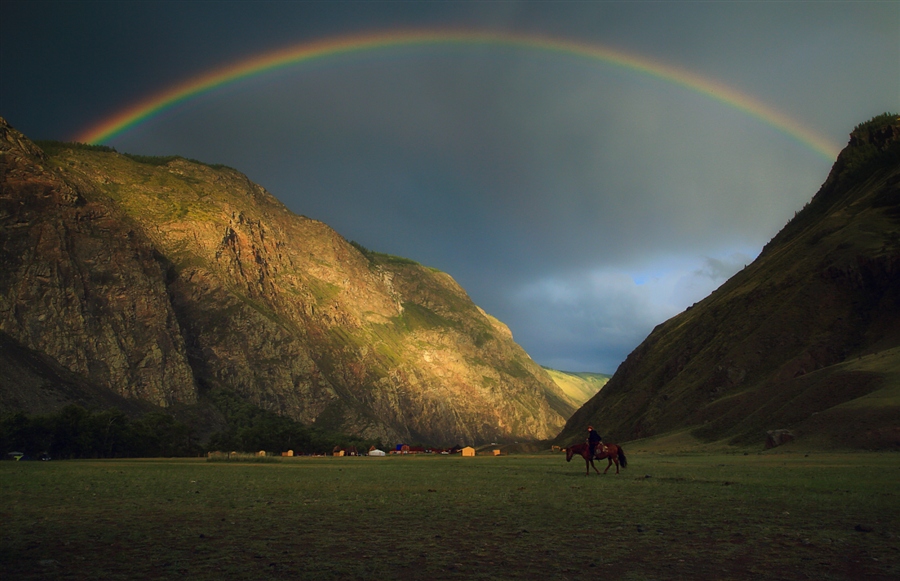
<point>593,440</point>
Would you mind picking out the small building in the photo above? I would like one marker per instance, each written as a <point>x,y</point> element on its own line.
<point>376,452</point>
<point>468,451</point>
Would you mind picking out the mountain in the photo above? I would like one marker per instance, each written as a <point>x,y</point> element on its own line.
<point>806,338</point>
<point>160,281</point>
<point>579,386</point>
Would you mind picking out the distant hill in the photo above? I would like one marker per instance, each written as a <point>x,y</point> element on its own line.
<point>170,283</point>
<point>580,387</point>
<point>806,338</point>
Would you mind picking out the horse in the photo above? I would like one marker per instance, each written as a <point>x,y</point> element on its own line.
<point>613,453</point>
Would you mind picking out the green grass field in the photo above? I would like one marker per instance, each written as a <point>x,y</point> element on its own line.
<point>688,516</point>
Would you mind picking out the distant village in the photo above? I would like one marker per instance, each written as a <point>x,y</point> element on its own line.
<point>404,449</point>
<point>400,449</point>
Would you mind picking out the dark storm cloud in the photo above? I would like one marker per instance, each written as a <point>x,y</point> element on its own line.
<point>579,202</point>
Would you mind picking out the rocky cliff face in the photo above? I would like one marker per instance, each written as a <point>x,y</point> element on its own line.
<point>163,279</point>
<point>81,284</point>
<point>806,338</point>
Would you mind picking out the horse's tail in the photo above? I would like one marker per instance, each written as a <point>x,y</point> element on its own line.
<point>622,459</point>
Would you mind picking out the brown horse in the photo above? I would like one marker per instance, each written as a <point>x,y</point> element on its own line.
<point>613,453</point>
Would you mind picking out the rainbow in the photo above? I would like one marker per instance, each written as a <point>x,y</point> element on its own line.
<point>332,47</point>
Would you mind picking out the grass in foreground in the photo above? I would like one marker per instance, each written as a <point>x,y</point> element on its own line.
<point>771,516</point>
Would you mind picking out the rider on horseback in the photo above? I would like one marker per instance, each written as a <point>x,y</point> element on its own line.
<point>593,439</point>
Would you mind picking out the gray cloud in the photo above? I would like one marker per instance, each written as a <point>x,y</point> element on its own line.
<point>579,202</point>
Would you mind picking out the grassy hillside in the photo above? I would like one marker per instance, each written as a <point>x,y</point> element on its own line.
<point>580,387</point>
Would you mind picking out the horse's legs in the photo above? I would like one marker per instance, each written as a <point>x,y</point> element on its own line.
<point>588,464</point>
<point>609,463</point>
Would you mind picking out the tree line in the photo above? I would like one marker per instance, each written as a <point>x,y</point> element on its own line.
<point>75,432</point>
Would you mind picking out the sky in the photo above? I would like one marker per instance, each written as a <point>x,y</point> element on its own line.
<point>585,174</point>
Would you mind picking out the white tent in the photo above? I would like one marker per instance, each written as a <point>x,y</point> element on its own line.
<point>376,453</point>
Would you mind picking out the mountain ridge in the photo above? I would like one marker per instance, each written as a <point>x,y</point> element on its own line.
<point>803,338</point>
<point>163,279</point>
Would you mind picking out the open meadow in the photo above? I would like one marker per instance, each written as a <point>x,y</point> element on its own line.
<point>777,515</point>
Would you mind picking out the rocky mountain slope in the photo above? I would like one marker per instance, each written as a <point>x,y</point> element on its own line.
<point>806,338</point>
<point>159,280</point>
